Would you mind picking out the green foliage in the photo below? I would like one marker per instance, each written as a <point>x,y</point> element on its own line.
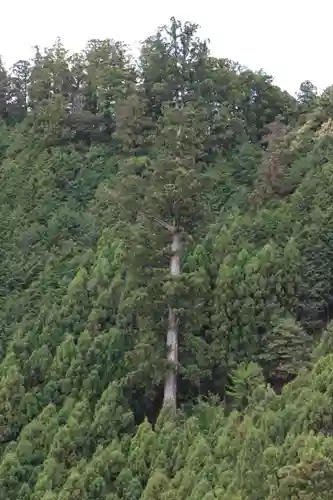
<point>97,152</point>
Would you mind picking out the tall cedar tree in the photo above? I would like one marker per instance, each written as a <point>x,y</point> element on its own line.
<point>167,193</point>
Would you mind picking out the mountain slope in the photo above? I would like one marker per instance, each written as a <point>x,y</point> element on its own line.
<point>98,161</point>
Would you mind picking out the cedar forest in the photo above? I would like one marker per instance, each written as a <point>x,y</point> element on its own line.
<point>125,377</point>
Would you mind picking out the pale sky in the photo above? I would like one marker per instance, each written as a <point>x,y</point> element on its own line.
<point>289,39</point>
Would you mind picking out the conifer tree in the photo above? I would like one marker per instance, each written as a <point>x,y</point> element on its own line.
<point>166,194</point>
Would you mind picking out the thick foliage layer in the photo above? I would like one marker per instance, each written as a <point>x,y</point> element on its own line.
<point>94,150</point>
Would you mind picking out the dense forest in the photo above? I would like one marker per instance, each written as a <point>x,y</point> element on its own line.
<point>166,284</point>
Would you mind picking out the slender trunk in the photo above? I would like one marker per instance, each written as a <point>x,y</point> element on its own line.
<point>170,387</point>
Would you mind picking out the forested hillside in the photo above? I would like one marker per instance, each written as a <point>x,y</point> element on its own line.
<point>166,277</point>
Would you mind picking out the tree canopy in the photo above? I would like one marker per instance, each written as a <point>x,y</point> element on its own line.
<point>103,160</point>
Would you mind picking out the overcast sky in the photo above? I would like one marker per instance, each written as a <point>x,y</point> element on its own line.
<point>289,39</point>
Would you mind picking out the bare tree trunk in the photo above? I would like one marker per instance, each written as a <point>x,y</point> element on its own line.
<point>170,387</point>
